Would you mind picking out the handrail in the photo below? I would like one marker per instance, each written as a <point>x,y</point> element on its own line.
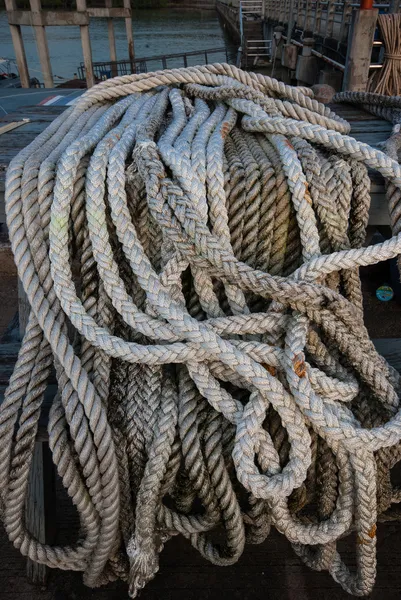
<point>330,61</point>
<point>160,56</point>
<point>125,66</point>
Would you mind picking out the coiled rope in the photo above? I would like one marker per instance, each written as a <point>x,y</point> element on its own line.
<point>387,80</point>
<point>388,108</point>
<point>189,242</point>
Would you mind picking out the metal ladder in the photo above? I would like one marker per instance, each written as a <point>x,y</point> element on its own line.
<point>258,48</point>
<point>252,7</point>
<point>253,47</point>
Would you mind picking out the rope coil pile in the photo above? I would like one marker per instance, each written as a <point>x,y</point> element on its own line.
<point>387,80</point>
<point>189,242</point>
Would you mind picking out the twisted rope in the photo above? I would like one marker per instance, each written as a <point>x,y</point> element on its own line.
<point>388,80</point>
<point>201,230</point>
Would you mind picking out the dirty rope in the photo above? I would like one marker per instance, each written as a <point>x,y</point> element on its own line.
<point>189,242</point>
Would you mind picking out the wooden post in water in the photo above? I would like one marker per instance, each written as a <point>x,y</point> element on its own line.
<point>359,52</point>
<point>86,47</point>
<point>130,36</point>
<point>112,39</point>
<point>19,49</point>
<point>41,42</point>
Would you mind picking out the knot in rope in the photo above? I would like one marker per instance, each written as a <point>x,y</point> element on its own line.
<point>392,56</point>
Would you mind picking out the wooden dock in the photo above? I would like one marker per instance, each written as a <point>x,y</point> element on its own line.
<point>13,141</point>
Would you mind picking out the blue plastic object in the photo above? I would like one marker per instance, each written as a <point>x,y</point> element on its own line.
<point>384,293</point>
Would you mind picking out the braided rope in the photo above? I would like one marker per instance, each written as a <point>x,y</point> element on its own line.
<point>201,230</point>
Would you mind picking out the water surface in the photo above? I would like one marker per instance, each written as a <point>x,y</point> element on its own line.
<point>159,31</point>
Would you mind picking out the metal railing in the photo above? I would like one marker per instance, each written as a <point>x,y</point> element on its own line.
<point>325,58</point>
<point>259,48</point>
<point>107,69</point>
<point>326,19</point>
<point>252,7</point>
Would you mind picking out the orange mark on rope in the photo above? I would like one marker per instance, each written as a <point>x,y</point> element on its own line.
<point>372,531</point>
<point>225,130</point>
<point>291,147</point>
<point>371,534</point>
<point>272,370</point>
<point>299,367</point>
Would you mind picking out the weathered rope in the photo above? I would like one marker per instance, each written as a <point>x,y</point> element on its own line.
<point>388,108</point>
<point>387,80</point>
<point>189,242</point>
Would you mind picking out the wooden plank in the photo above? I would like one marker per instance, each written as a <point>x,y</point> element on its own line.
<point>43,48</point>
<point>14,141</point>
<point>34,514</point>
<point>9,353</point>
<point>373,139</point>
<point>6,368</point>
<point>12,125</point>
<point>40,509</point>
<point>30,131</point>
<point>378,213</point>
<point>352,112</point>
<point>47,18</point>
<point>373,126</point>
<point>40,111</point>
<point>390,348</point>
<point>12,334</point>
<point>35,501</point>
<point>41,498</point>
<point>101,12</point>
<point>23,309</point>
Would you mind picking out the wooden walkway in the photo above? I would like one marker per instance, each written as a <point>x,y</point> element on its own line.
<point>12,142</point>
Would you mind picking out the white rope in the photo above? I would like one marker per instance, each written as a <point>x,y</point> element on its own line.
<point>201,230</point>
